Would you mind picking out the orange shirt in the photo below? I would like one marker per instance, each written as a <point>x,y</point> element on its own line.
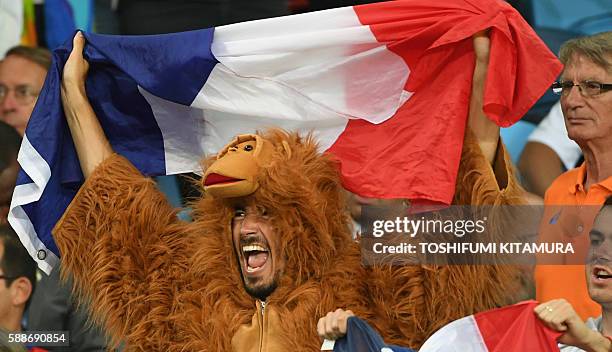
<point>569,281</point>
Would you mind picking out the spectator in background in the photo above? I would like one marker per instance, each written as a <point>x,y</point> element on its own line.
<point>586,100</point>
<point>358,209</point>
<point>560,315</point>
<point>22,74</point>
<point>549,153</point>
<point>9,147</point>
<point>17,281</point>
<point>53,309</point>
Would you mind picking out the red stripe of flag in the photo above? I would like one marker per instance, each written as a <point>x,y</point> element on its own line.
<point>416,153</point>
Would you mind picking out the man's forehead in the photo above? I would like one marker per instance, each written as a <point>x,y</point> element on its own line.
<point>249,206</point>
<point>240,202</point>
<point>585,67</point>
<point>20,68</point>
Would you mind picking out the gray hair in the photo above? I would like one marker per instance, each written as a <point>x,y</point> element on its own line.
<point>597,48</point>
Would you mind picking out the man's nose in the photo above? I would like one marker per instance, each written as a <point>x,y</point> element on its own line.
<point>250,224</point>
<point>9,103</point>
<point>603,253</point>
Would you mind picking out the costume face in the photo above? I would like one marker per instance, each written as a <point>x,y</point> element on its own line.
<point>234,173</point>
<point>587,118</point>
<point>21,77</point>
<point>599,265</point>
<point>257,248</point>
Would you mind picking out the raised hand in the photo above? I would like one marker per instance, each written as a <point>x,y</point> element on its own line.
<point>485,130</point>
<point>75,70</point>
<point>559,315</point>
<point>90,142</point>
<point>333,325</point>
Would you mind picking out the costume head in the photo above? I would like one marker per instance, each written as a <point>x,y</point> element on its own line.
<point>22,74</point>
<point>280,207</point>
<point>234,172</point>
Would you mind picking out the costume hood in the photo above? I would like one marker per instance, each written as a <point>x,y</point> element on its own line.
<point>298,186</point>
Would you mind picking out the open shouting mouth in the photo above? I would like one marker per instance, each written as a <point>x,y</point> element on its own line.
<point>601,274</point>
<point>255,255</point>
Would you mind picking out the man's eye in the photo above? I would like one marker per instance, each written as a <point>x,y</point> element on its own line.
<point>239,213</point>
<point>23,91</point>
<point>595,240</point>
<point>592,88</point>
<point>591,85</point>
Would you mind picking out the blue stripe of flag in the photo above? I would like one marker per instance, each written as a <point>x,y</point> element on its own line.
<point>171,66</point>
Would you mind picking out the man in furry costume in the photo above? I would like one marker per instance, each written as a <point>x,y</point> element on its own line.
<point>269,250</point>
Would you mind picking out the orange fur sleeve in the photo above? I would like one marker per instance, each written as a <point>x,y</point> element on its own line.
<point>480,183</point>
<point>423,298</point>
<point>121,241</point>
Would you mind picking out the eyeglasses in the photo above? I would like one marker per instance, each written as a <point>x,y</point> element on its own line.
<point>586,88</point>
<point>24,94</point>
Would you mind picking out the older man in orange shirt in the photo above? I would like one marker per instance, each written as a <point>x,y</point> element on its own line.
<point>586,100</point>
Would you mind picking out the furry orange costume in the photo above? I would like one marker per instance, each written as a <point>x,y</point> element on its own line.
<point>162,285</point>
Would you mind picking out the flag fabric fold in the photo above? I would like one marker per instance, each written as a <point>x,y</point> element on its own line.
<point>360,337</point>
<point>384,87</point>
<point>513,328</point>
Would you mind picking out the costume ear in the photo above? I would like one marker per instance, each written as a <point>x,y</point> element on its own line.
<point>287,149</point>
<point>264,151</point>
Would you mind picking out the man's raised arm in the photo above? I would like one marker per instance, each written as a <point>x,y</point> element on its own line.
<point>485,130</point>
<point>90,142</point>
<point>119,238</point>
<point>486,175</point>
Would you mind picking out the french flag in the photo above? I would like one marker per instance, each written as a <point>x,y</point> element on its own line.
<point>384,87</point>
<point>513,328</point>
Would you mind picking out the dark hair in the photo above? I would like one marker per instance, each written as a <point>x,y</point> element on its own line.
<point>15,261</point>
<point>607,204</point>
<point>40,56</point>
<point>10,140</point>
